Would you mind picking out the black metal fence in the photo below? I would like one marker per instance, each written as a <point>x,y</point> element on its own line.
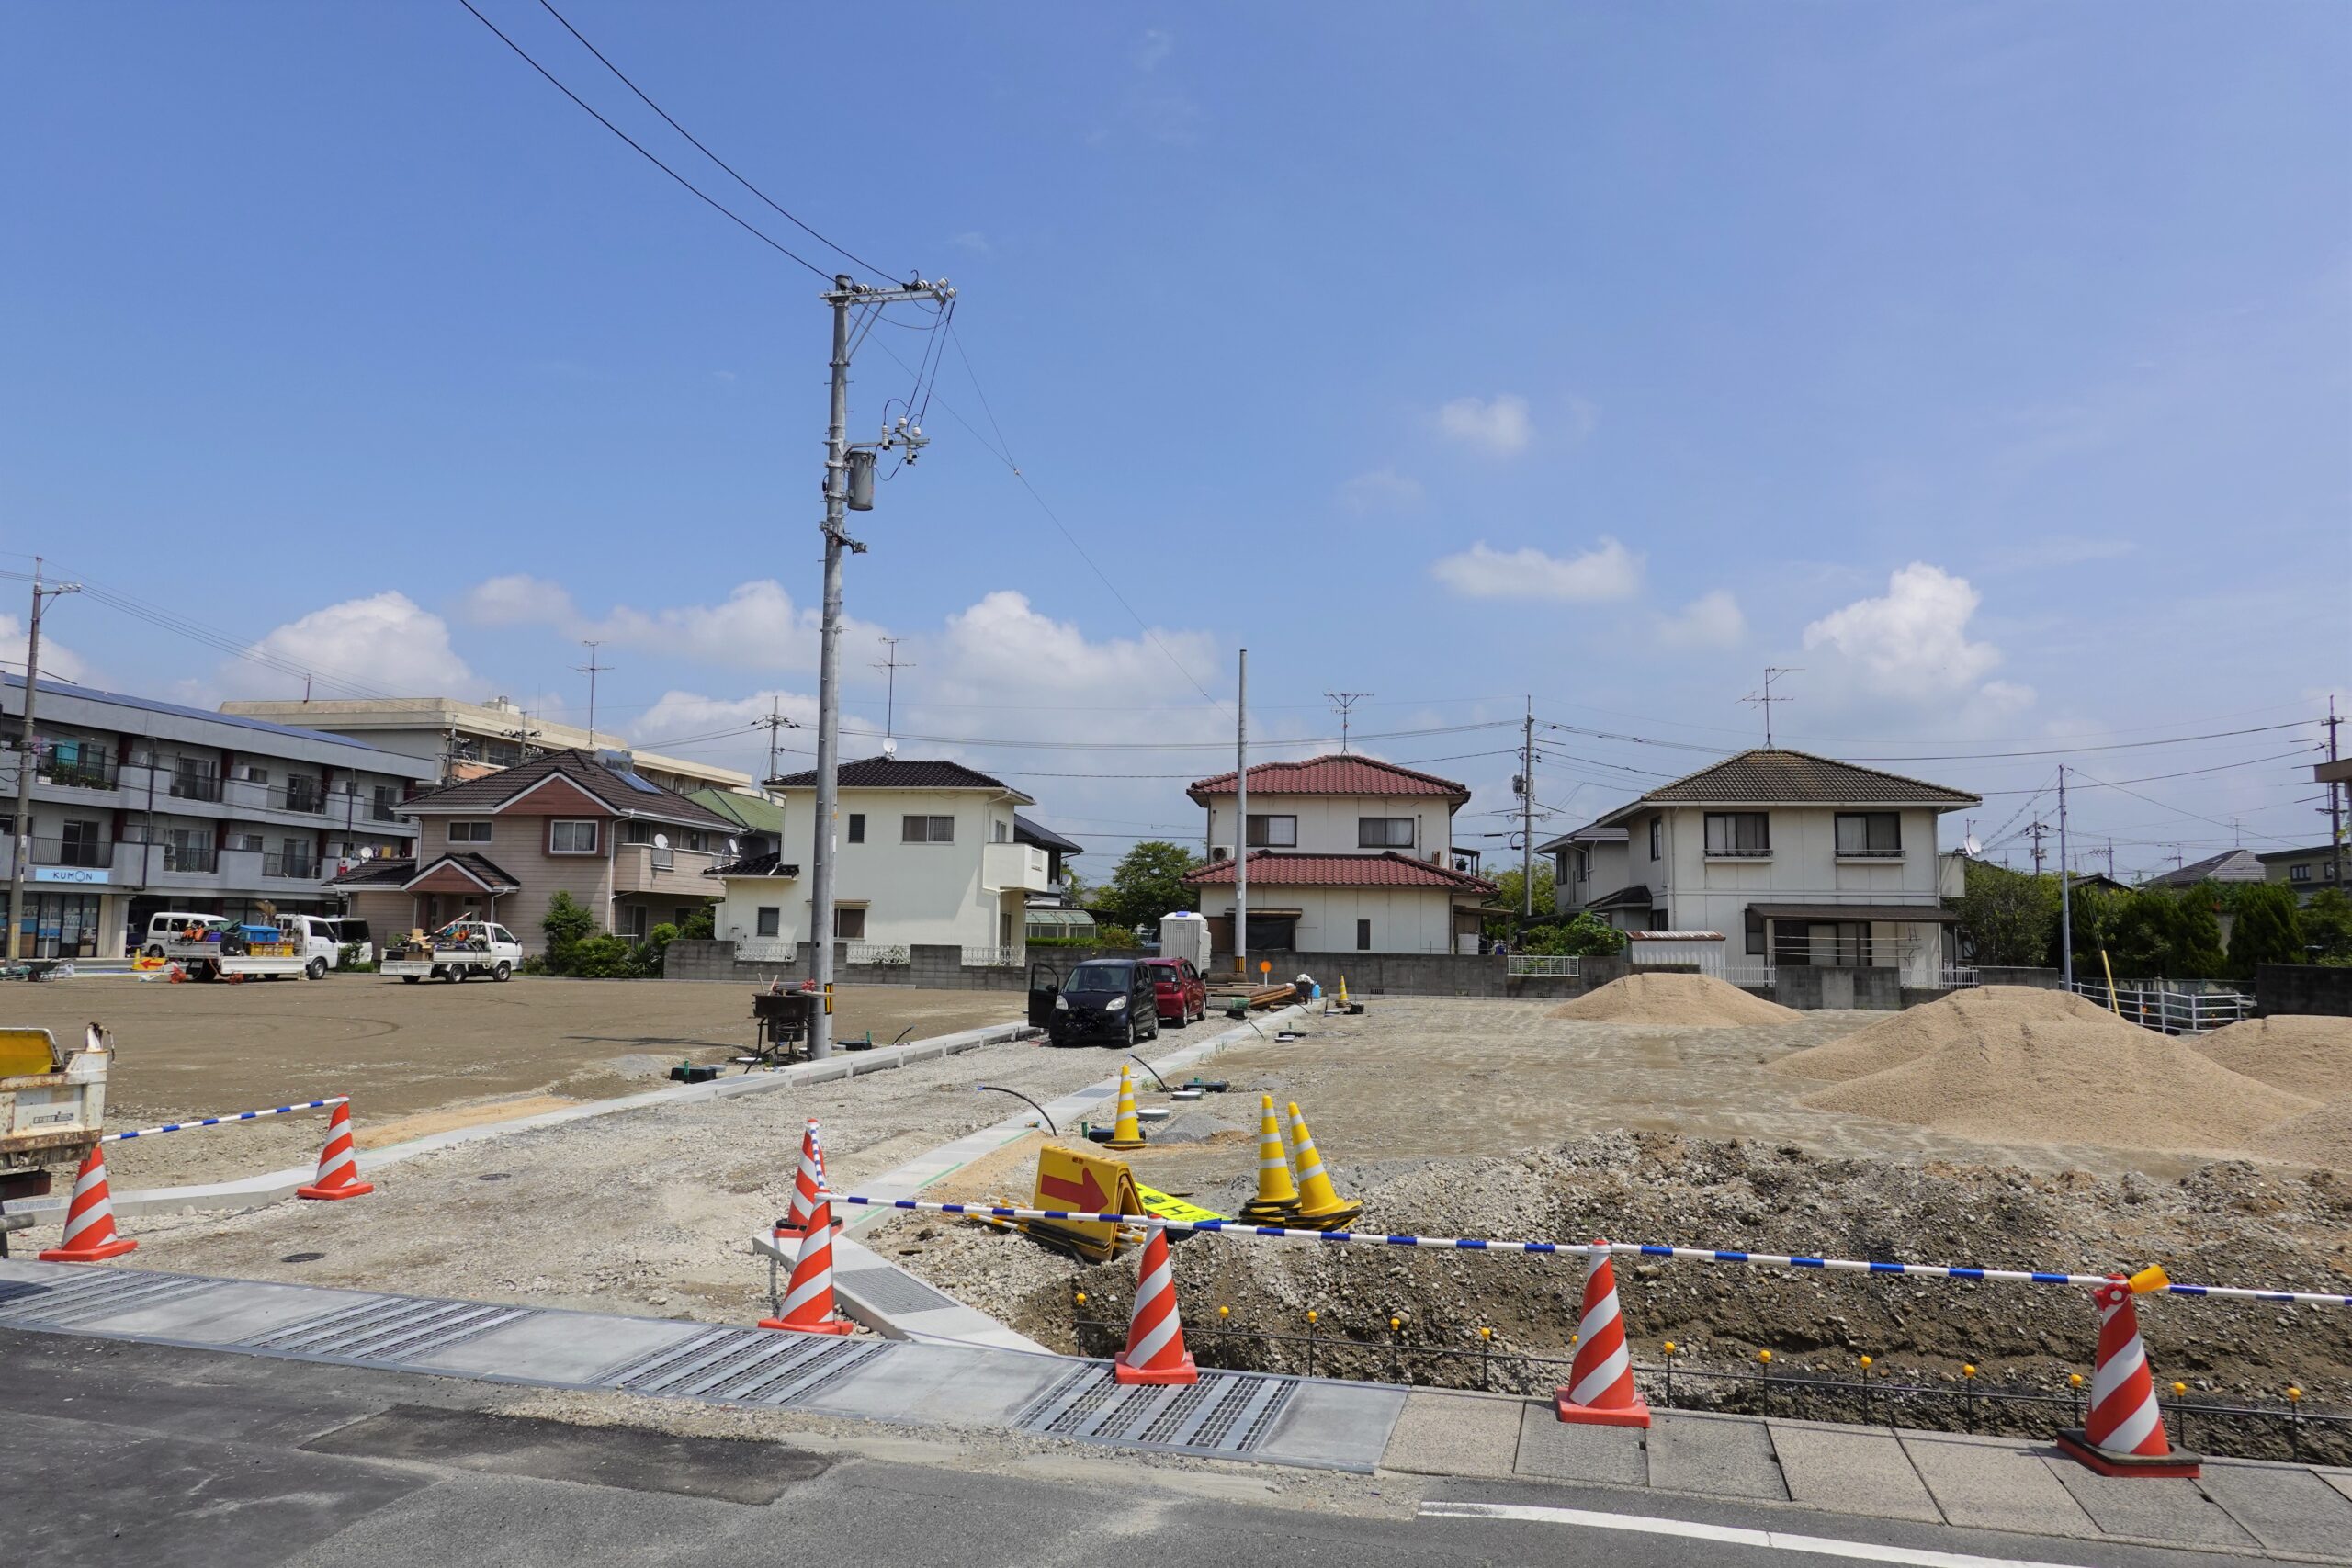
<point>1875,1393</point>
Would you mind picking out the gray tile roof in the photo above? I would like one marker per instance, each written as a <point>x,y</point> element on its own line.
<point>50,685</point>
<point>1781,777</point>
<point>900,773</point>
<point>2230,865</point>
<point>1024,831</point>
<point>493,790</point>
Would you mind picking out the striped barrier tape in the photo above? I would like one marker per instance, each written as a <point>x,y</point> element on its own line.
<point>217,1121</point>
<point>1580,1250</point>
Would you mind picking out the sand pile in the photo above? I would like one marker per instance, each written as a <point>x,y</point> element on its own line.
<point>2324,1139</point>
<point>1914,1033</point>
<point>2302,1054</point>
<point>2018,1064</point>
<point>1698,999</point>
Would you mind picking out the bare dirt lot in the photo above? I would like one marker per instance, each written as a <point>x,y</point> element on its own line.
<point>415,1059</point>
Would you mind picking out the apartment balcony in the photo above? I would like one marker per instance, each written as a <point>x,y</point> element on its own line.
<point>62,861</point>
<point>84,772</point>
<point>642,868</point>
<point>1007,866</point>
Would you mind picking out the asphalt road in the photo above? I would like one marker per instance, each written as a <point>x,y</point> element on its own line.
<point>115,1453</point>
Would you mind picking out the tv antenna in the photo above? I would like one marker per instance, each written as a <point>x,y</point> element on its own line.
<point>891,666</point>
<point>1340,702</point>
<point>1765,699</point>
<point>592,669</point>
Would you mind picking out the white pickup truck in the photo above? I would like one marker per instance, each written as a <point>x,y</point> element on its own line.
<point>457,949</point>
<point>210,948</point>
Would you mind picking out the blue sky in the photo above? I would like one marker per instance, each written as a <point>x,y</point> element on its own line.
<point>1990,363</point>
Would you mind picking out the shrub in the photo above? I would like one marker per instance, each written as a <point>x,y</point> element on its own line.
<point>601,956</point>
<point>569,923</point>
<point>353,955</point>
<point>1113,938</point>
<point>534,963</point>
<point>700,926</point>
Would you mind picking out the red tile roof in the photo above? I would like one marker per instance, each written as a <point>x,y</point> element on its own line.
<point>1271,868</point>
<point>1332,774</point>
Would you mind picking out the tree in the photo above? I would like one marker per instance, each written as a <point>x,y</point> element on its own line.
<point>1587,934</point>
<point>2266,930</point>
<point>2327,926</point>
<point>1508,892</point>
<point>568,924</point>
<point>2006,917</point>
<point>1149,883</point>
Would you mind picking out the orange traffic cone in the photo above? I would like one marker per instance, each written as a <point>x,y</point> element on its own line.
<point>2124,1432</point>
<point>1154,1352</point>
<point>338,1166</point>
<point>809,1300</point>
<point>90,1219</point>
<point>1601,1389</point>
<point>806,1182</point>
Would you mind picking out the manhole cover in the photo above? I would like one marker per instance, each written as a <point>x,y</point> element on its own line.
<point>493,1176</point>
<point>302,1257</point>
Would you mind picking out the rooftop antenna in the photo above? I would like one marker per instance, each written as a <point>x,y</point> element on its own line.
<point>1765,699</point>
<point>1340,702</point>
<point>592,669</point>
<point>892,665</point>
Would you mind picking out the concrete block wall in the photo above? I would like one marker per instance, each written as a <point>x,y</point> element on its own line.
<point>2303,987</point>
<point>1809,986</point>
<point>2048,979</point>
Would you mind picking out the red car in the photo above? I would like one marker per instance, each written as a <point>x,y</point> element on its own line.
<point>1183,995</point>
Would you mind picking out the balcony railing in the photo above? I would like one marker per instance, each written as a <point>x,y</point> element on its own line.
<point>300,794</point>
<point>878,953</point>
<point>87,853</point>
<point>995,957</point>
<point>192,858</point>
<point>83,771</point>
<point>298,868</point>
<point>766,950</point>
<point>196,787</point>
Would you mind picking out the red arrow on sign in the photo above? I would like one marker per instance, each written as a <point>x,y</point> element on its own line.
<point>1081,1194</point>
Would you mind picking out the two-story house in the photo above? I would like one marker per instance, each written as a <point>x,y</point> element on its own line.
<point>2306,871</point>
<point>502,846</point>
<point>141,806</point>
<point>1346,855</point>
<point>926,853</point>
<point>1797,860</point>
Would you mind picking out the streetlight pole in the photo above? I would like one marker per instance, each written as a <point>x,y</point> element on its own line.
<point>28,758</point>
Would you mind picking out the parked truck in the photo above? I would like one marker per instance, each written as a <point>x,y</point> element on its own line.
<point>52,1108</point>
<point>460,949</point>
<point>212,948</point>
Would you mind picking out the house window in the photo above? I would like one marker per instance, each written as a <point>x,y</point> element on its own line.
<point>857,826</point>
<point>848,923</point>
<point>1584,865</point>
<point>1659,920</point>
<point>1755,932</point>
<point>1272,833</point>
<point>770,921</point>
<point>470,832</point>
<point>1738,833</point>
<point>1364,936</point>
<point>1384,832</point>
<point>2298,872</point>
<point>1877,834</point>
<point>637,832</point>
<point>1658,838</point>
<point>926,829</point>
<point>566,837</point>
<point>632,920</point>
<point>1003,833</point>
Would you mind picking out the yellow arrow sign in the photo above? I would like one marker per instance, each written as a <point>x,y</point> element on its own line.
<point>1088,1183</point>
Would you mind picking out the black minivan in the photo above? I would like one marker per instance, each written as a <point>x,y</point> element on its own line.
<point>1106,1001</point>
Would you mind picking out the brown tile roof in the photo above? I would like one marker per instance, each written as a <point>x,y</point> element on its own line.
<point>1331,774</point>
<point>401,873</point>
<point>491,790</point>
<point>1271,868</point>
<point>477,868</point>
<point>901,772</point>
<point>1781,777</point>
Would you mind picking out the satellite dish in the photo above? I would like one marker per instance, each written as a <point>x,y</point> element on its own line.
<point>1972,848</point>
<point>368,855</point>
<point>660,841</point>
<point>732,848</point>
<point>890,748</point>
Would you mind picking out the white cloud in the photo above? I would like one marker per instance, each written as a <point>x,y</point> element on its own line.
<point>1607,570</point>
<point>58,662</point>
<point>757,626</point>
<point>1382,490</point>
<point>972,239</point>
<point>385,640</point>
<point>1711,620</point>
<point>1498,424</point>
<point>518,600</point>
<point>1912,644</point>
<point>1584,418</point>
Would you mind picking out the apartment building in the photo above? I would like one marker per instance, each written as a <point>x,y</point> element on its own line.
<point>141,806</point>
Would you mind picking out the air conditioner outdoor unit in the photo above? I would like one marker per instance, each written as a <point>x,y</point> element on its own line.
<point>1220,853</point>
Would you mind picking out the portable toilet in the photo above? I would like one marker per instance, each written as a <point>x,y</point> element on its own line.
<point>1184,934</point>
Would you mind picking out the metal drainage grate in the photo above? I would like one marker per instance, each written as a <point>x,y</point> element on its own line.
<point>891,1291</point>
<point>101,1293</point>
<point>1225,1413</point>
<point>747,1366</point>
<point>396,1328</point>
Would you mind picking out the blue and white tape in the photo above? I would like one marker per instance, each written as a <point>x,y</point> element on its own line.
<point>220,1121</point>
<point>1582,1250</point>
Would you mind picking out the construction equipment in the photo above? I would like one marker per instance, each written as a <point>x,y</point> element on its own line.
<point>53,1110</point>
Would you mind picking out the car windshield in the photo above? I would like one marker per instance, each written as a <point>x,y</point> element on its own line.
<point>1090,979</point>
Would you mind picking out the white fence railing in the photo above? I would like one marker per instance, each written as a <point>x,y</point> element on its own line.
<point>2169,1010</point>
<point>766,950</point>
<point>1748,975</point>
<point>995,957</point>
<point>1954,979</point>
<point>879,953</point>
<point>1548,965</point>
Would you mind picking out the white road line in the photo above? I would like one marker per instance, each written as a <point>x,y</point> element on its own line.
<point>1770,1540</point>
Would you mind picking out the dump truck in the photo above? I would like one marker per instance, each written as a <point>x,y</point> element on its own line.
<point>460,949</point>
<point>52,1108</point>
<point>213,949</point>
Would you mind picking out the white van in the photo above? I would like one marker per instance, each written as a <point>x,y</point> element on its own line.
<point>318,937</point>
<point>168,927</point>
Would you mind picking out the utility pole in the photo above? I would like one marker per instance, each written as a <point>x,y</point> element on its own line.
<point>592,669</point>
<point>1765,699</point>
<point>2037,827</point>
<point>1340,702</point>
<point>28,758</point>
<point>2066,893</point>
<point>2335,803</point>
<point>849,483</point>
<point>892,665</point>
<point>773,722</point>
<point>1526,782</point>
<point>1242,824</point>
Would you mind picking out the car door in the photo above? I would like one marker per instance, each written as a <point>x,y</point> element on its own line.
<point>1044,986</point>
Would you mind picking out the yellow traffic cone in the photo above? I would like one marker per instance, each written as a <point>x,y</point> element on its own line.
<point>1127,1132</point>
<point>1277,1198</point>
<point>1319,1206</point>
<point>1343,990</point>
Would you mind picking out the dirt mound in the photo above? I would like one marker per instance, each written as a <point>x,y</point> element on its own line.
<point>2026,1066</point>
<point>1914,1033</point>
<point>2324,1139</point>
<point>2301,1053</point>
<point>1697,999</point>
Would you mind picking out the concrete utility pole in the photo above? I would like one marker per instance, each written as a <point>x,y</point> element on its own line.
<point>2037,827</point>
<point>1340,702</point>
<point>2065,891</point>
<point>891,666</point>
<point>1242,824</point>
<point>773,722</point>
<point>28,759</point>
<point>592,669</point>
<point>847,470</point>
<point>2335,804</point>
<point>1526,814</point>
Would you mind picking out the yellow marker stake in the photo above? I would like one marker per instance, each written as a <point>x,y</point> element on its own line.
<point>1765,1357</point>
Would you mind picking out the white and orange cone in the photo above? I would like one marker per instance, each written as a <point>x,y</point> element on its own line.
<point>90,1219</point>
<point>806,1182</point>
<point>338,1162</point>
<point>1154,1352</point>
<point>1601,1389</point>
<point>2123,1433</point>
<point>809,1298</point>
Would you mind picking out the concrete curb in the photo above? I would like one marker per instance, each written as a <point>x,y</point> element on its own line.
<point>255,1192</point>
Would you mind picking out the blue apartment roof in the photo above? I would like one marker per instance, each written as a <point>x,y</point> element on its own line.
<point>150,704</point>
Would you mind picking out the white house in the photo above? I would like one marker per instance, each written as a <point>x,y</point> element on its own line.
<point>926,853</point>
<point>1346,855</point>
<point>1796,859</point>
<point>1589,872</point>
